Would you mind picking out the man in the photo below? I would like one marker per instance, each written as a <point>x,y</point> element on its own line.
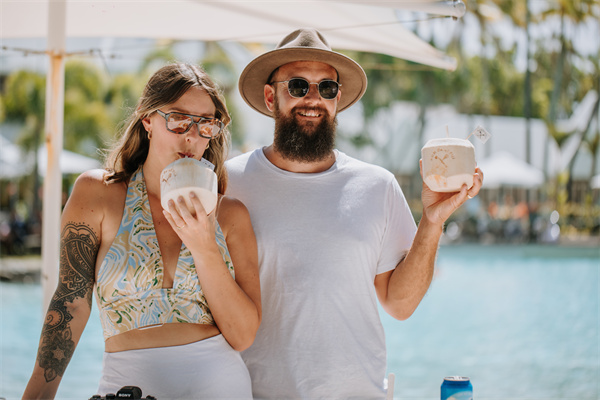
<point>334,234</point>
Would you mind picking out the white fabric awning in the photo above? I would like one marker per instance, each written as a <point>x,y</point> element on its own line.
<point>355,25</point>
<point>502,169</point>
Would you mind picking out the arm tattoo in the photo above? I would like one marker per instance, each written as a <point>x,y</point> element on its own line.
<point>78,251</point>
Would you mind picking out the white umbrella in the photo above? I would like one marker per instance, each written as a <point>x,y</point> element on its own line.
<point>595,182</point>
<point>69,162</point>
<point>502,169</point>
<point>14,164</point>
<point>11,160</point>
<point>355,25</point>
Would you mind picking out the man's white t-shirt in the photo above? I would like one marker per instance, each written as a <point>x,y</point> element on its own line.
<point>322,238</point>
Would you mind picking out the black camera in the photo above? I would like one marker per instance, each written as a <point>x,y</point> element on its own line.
<point>126,392</point>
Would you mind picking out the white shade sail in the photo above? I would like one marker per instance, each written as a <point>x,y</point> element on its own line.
<point>353,25</point>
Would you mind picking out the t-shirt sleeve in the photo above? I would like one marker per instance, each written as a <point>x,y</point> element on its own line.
<point>400,229</point>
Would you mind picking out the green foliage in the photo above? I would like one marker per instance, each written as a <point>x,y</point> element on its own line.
<point>387,80</point>
<point>24,99</point>
<point>2,113</point>
<point>162,54</point>
<point>87,121</point>
<point>121,97</point>
<point>24,95</point>
<point>360,140</point>
<point>85,79</point>
<point>94,105</point>
<point>478,86</point>
<point>220,68</point>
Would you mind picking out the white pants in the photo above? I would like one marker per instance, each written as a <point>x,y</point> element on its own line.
<point>208,369</point>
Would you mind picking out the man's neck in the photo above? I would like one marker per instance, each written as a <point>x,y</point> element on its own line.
<point>302,167</point>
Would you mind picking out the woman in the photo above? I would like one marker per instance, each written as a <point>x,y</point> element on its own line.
<point>156,272</point>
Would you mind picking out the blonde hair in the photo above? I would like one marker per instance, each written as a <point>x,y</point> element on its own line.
<point>164,87</point>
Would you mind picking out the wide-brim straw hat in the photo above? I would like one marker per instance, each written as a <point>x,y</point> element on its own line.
<point>301,45</point>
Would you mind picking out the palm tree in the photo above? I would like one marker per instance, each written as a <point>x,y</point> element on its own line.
<point>565,78</point>
<point>575,12</point>
<point>2,113</point>
<point>24,99</point>
<point>87,125</point>
<point>594,141</point>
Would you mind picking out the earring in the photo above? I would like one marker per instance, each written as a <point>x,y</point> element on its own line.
<point>149,134</point>
<point>208,145</point>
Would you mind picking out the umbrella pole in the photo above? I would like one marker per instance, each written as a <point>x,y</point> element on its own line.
<point>54,118</point>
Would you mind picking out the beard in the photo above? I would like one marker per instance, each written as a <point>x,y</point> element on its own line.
<point>305,143</point>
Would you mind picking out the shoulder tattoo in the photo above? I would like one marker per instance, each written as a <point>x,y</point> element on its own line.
<point>78,250</point>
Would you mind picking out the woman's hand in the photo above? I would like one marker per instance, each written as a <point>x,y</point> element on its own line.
<point>193,228</point>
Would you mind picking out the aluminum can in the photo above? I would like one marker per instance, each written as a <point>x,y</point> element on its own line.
<point>457,388</point>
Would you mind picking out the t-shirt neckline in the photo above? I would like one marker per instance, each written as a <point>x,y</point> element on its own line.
<point>272,167</point>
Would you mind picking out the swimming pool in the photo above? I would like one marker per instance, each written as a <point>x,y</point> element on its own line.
<point>522,321</point>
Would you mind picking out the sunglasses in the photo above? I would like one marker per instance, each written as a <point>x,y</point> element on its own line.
<point>180,123</point>
<point>299,87</point>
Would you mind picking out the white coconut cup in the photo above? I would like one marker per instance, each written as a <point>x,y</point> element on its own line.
<point>448,164</point>
<point>187,175</point>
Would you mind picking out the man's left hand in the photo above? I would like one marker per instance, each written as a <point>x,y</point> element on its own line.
<point>438,206</point>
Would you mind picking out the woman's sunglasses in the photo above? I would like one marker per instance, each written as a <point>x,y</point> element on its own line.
<point>180,123</point>
<point>299,87</point>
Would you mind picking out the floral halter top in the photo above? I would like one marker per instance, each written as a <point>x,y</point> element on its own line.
<point>129,288</point>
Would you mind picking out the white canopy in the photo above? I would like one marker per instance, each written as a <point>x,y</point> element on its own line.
<point>355,25</point>
<point>502,169</point>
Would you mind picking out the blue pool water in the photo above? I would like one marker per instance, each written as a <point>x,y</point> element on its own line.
<point>522,322</point>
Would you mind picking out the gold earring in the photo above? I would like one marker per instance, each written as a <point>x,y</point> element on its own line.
<point>149,134</point>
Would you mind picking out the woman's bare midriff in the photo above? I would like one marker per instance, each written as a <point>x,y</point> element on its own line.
<point>173,334</point>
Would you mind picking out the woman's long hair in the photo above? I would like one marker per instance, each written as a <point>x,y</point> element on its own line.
<point>165,87</point>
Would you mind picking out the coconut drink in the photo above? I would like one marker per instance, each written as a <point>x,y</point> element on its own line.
<point>448,164</point>
<point>187,175</point>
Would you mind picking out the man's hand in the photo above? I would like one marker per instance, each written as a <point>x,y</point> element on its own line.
<point>437,206</point>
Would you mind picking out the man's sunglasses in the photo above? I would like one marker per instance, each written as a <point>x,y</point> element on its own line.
<point>180,123</point>
<point>299,87</point>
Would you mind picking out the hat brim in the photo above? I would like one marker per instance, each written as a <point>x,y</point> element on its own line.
<point>352,77</point>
